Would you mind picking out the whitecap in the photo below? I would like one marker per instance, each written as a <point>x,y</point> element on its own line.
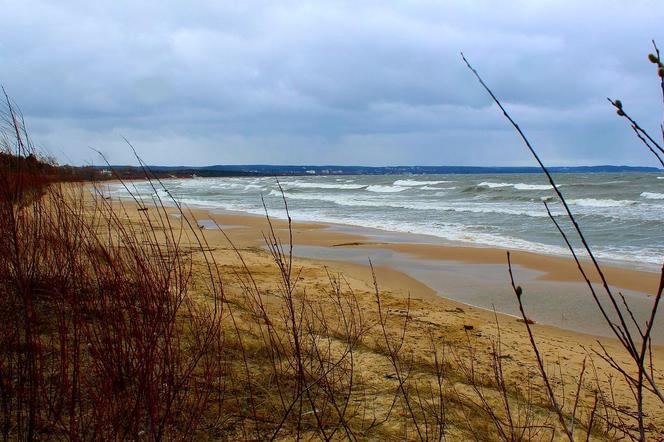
<point>494,185</point>
<point>303,185</point>
<point>522,186</point>
<point>417,183</point>
<point>592,202</point>
<point>517,186</point>
<point>652,195</point>
<point>342,200</point>
<point>385,189</point>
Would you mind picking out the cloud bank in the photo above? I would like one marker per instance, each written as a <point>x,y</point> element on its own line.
<point>372,83</point>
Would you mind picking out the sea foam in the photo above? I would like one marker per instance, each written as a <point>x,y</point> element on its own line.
<point>592,202</point>
<point>517,186</point>
<point>386,189</point>
<point>417,182</point>
<point>652,195</point>
<point>301,185</point>
<point>619,211</point>
<point>494,185</point>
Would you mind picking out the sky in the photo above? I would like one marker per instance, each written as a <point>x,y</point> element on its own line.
<point>338,82</point>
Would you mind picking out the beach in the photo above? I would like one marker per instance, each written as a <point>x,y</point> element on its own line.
<point>451,232</point>
<point>466,271</point>
<point>620,213</point>
<point>427,284</point>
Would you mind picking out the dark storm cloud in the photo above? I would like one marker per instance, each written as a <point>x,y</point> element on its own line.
<point>330,82</point>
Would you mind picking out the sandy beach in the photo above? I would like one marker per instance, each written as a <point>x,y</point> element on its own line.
<point>477,276</point>
<point>322,250</point>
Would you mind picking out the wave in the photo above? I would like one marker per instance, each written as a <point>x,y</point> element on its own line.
<point>461,233</point>
<point>592,202</point>
<point>253,186</point>
<point>417,183</point>
<point>601,183</point>
<point>652,195</point>
<point>302,185</point>
<point>342,200</point>
<point>441,201</point>
<point>522,186</point>
<point>213,184</point>
<point>612,209</point>
<point>448,231</point>
<point>501,211</point>
<point>494,185</point>
<point>385,189</point>
<point>483,220</point>
<point>517,186</point>
<point>437,188</point>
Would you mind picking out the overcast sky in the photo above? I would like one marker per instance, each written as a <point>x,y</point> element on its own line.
<point>357,82</point>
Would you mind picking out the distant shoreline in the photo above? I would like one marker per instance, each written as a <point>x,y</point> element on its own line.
<point>259,170</point>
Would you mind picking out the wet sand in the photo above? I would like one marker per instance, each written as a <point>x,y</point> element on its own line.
<point>555,293</point>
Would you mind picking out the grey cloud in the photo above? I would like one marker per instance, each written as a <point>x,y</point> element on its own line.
<point>330,82</point>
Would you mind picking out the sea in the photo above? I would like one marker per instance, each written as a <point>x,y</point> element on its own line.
<point>621,214</point>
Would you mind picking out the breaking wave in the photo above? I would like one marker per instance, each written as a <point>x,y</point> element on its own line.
<point>517,186</point>
<point>592,202</point>
<point>418,183</point>
<point>386,189</point>
<point>301,185</point>
<point>652,195</point>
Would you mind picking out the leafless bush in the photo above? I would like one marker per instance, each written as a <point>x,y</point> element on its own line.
<point>99,333</point>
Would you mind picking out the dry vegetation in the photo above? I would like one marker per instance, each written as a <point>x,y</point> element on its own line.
<point>118,325</point>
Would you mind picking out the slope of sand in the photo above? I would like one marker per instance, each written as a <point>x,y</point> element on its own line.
<point>432,319</point>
